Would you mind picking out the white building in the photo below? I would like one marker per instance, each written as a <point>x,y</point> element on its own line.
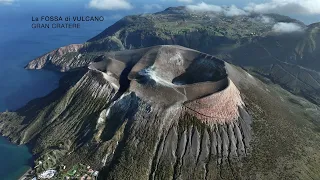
<point>47,174</point>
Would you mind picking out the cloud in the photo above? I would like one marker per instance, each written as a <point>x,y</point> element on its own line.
<point>185,1</point>
<point>287,27</point>
<point>286,7</point>
<point>150,7</point>
<point>264,19</point>
<point>205,7</point>
<point>6,2</point>
<point>227,11</point>
<point>234,11</point>
<point>110,4</point>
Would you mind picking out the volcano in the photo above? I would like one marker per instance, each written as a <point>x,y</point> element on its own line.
<point>172,112</point>
<point>163,112</point>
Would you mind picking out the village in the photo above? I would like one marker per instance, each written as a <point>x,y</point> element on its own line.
<point>78,171</point>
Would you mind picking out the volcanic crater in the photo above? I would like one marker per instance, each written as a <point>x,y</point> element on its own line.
<point>174,75</point>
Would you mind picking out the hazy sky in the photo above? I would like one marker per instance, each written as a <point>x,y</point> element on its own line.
<point>305,10</point>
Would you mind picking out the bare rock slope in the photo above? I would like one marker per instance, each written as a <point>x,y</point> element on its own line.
<point>169,112</point>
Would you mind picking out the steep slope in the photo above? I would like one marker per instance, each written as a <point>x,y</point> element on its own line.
<point>136,115</point>
<point>308,51</point>
<point>290,60</point>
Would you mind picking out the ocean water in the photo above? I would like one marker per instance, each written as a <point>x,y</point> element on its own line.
<point>15,160</point>
<point>19,44</point>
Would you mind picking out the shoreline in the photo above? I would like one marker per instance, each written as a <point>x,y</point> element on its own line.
<point>27,175</point>
<point>27,170</point>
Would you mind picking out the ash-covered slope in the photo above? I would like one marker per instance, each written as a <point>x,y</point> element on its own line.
<point>169,112</point>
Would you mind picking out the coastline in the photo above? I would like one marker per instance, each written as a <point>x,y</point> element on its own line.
<point>20,165</point>
<point>27,175</point>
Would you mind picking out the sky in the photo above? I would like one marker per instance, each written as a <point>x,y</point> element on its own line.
<point>306,10</point>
